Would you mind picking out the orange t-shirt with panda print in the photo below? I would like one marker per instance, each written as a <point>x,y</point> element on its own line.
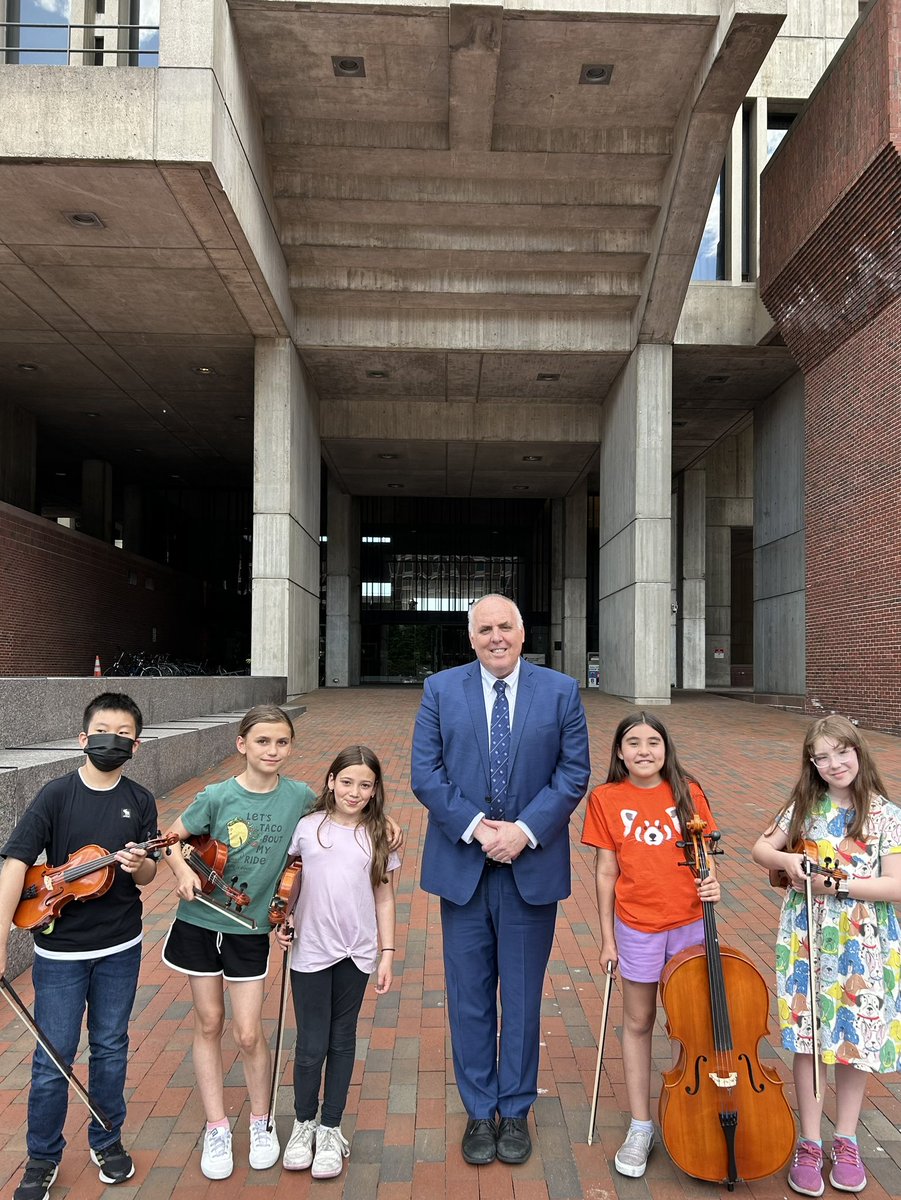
<point>653,893</point>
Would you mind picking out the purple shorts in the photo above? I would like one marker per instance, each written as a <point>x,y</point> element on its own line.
<point>642,956</point>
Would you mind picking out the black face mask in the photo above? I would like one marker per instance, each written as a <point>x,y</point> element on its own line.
<point>108,751</point>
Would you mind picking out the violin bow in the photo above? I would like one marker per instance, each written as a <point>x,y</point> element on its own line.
<point>52,1053</point>
<point>608,986</point>
<point>279,1040</point>
<point>812,967</point>
<point>246,922</point>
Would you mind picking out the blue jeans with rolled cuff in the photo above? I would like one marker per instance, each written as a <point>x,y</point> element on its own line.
<point>63,988</point>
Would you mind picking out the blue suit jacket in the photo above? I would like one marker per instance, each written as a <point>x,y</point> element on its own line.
<point>548,774</point>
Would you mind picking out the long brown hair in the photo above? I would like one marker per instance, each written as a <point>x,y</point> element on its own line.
<point>811,786</point>
<point>671,771</point>
<point>372,818</point>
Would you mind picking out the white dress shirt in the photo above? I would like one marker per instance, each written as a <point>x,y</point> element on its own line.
<point>490,698</point>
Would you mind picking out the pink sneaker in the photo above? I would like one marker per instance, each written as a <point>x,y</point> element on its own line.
<point>847,1174</point>
<point>806,1173</point>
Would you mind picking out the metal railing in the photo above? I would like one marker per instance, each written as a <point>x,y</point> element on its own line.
<point>103,45</point>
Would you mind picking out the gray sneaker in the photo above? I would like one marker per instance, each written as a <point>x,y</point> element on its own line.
<point>632,1156</point>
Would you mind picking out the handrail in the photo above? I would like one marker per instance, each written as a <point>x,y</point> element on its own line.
<point>134,49</point>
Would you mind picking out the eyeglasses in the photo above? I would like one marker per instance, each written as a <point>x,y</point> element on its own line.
<point>823,762</point>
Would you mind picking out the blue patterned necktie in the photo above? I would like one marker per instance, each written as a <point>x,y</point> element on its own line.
<point>500,749</point>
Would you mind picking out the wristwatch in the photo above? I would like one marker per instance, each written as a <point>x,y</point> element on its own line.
<point>843,888</point>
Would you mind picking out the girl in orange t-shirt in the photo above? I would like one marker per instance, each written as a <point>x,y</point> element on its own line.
<point>649,906</point>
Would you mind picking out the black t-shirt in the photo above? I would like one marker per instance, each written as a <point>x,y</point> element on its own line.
<point>65,815</point>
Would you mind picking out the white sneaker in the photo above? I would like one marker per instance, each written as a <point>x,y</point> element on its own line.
<point>216,1161</point>
<point>299,1150</point>
<point>264,1147</point>
<point>632,1156</point>
<point>332,1147</point>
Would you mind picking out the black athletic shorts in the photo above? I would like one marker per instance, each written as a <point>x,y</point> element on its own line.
<point>236,956</point>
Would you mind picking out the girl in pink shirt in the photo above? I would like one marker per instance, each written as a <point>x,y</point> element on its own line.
<point>344,930</point>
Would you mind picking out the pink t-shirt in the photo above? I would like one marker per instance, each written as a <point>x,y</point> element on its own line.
<point>335,914</point>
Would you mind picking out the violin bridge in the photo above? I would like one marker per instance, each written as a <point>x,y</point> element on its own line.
<point>725,1081</point>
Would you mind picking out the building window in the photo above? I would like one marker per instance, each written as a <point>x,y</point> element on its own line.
<point>777,126</point>
<point>711,261</point>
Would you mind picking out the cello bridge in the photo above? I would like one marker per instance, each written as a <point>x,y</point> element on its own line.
<point>725,1081</point>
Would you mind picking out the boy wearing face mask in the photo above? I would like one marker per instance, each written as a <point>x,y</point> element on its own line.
<point>90,956</point>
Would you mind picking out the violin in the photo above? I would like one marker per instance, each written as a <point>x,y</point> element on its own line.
<point>285,896</point>
<point>811,851</point>
<point>208,859</point>
<point>723,1115</point>
<point>86,874</point>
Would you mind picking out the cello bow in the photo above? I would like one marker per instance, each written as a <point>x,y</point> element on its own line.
<point>19,1008</point>
<point>601,1039</point>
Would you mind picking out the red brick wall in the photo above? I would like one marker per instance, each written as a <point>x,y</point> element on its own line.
<point>65,597</point>
<point>853,507</point>
<point>851,116</point>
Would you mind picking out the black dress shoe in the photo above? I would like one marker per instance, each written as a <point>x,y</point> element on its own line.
<point>514,1145</point>
<point>480,1142</point>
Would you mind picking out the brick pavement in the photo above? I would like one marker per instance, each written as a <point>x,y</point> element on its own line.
<point>404,1115</point>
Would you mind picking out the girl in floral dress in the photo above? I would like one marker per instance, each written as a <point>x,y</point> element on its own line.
<point>838,803</point>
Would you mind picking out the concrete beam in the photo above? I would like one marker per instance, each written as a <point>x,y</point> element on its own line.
<point>737,50</point>
<point>408,420</point>
<point>474,37</point>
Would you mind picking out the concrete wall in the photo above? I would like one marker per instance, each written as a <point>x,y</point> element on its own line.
<point>18,450</point>
<point>779,598</point>
<point>40,710</point>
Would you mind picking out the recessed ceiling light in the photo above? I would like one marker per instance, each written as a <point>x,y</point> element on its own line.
<point>138,450</point>
<point>26,366</point>
<point>349,66</point>
<point>84,220</point>
<point>376,374</point>
<point>175,477</point>
<point>89,414</point>
<point>61,474</point>
<point>395,485</point>
<point>532,457</point>
<point>596,73</point>
<point>520,487</point>
<point>242,418</point>
<point>716,378</point>
<point>203,370</point>
<point>388,457</point>
<point>547,376</point>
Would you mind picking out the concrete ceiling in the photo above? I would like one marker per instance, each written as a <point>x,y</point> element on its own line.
<point>444,218</point>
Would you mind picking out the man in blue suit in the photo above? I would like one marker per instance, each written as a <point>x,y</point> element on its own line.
<point>500,760</point>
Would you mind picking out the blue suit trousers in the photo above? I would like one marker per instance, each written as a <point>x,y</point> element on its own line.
<point>496,938</point>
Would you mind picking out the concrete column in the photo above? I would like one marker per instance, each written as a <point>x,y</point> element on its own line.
<point>779,557</point>
<point>690,617</point>
<point>286,500</point>
<point>18,455</point>
<point>636,456</point>
<point>555,655</point>
<point>729,487</point>
<point>575,584</point>
<point>733,206</point>
<point>342,604</point>
<point>133,518</point>
<point>97,499</point>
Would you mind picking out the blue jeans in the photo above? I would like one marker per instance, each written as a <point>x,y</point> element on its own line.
<point>62,988</point>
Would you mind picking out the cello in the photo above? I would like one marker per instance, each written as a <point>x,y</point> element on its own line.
<point>723,1115</point>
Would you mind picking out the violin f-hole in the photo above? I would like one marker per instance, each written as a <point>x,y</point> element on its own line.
<point>744,1058</point>
<point>693,1090</point>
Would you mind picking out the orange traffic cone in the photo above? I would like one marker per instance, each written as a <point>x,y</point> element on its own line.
<point>97,671</point>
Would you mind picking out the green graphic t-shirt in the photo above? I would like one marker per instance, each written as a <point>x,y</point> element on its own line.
<point>257,828</point>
